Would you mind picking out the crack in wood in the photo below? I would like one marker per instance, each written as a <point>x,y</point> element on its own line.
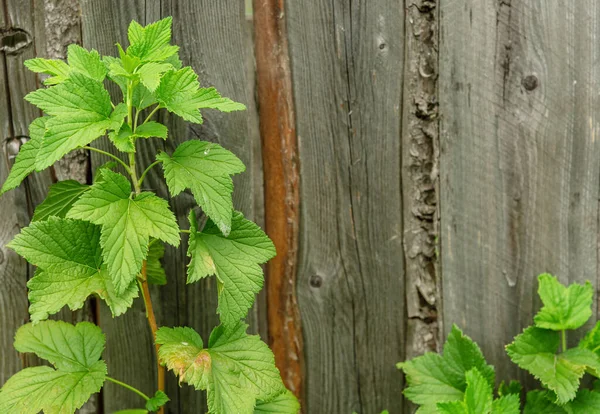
<point>420,179</point>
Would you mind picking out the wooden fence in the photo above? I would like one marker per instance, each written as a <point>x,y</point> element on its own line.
<point>417,163</point>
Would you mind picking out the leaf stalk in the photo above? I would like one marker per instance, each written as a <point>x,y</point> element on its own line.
<point>146,172</point>
<point>108,154</point>
<point>129,387</point>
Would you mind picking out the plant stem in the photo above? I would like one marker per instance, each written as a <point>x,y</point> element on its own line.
<point>153,326</point>
<point>133,173</point>
<point>563,335</point>
<point>156,108</point>
<point>143,274</point>
<point>184,231</point>
<point>108,154</point>
<point>135,119</point>
<point>130,104</point>
<point>129,387</point>
<point>146,171</point>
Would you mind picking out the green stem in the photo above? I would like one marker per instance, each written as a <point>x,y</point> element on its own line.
<point>563,335</point>
<point>146,171</point>
<point>129,387</point>
<point>129,104</point>
<point>136,182</point>
<point>135,120</point>
<point>156,108</point>
<point>108,154</point>
<point>184,231</point>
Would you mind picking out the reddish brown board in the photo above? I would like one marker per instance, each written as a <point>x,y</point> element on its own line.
<point>280,157</point>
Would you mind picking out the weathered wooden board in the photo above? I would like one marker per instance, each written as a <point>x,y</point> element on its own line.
<point>519,162</point>
<point>18,31</point>
<point>198,27</point>
<point>347,60</point>
<point>282,196</point>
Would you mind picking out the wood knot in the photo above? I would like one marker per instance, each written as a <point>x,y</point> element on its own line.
<point>530,82</point>
<point>316,281</point>
<point>14,41</point>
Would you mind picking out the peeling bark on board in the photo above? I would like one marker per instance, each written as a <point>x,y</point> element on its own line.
<point>281,176</point>
<point>62,23</point>
<point>420,184</point>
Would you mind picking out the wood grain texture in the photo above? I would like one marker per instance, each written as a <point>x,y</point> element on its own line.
<point>19,29</point>
<point>215,40</point>
<point>280,156</point>
<point>198,27</point>
<point>129,350</point>
<point>347,60</point>
<point>420,183</point>
<point>519,162</point>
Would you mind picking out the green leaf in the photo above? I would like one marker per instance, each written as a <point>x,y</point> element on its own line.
<point>57,69</point>
<point>74,351</point>
<point>586,402</point>
<point>142,97</point>
<point>135,32</point>
<point>151,72</point>
<point>127,223</point>
<point>210,98</point>
<point>68,255</point>
<point>434,378</point>
<point>25,161</point>
<point>477,397</point>
<point>49,291</point>
<point>235,368</point>
<point>151,43</point>
<point>535,350</point>
<point>86,62</point>
<point>60,199</point>
<point>206,169</point>
<point>541,402</point>
<point>284,403</point>
<point>81,61</point>
<point>151,129</point>
<point>509,404</point>
<point>158,400</point>
<point>123,139</point>
<point>133,411</point>
<point>234,260</point>
<point>180,92</point>
<point>154,270</point>
<point>564,308</point>
<point>176,93</point>
<point>514,387</point>
<point>81,112</point>
<point>591,340</point>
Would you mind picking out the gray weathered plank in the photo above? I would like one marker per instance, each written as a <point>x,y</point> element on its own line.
<point>19,29</point>
<point>519,162</point>
<point>214,40</point>
<point>129,346</point>
<point>198,27</point>
<point>347,60</point>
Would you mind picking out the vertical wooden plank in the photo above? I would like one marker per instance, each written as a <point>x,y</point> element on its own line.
<point>519,163</point>
<point>17,44</point>
<point>215,40</point>
<point>347,63</point>
<point>280,155</point>
<point>129,347</point>
<point>213,37</point>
